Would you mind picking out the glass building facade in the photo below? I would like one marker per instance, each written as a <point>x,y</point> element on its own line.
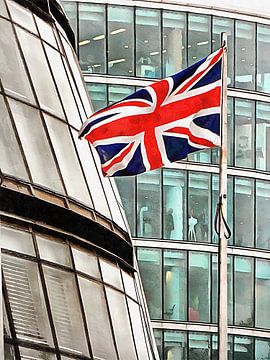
<point>70,287</point>
<point>122,47</point>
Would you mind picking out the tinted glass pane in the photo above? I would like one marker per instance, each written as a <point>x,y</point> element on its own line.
<point>199,346</point>
<point>158,340</point>
<point>262,214</point>
<point>16,240</point>
<point>262,293</point>
<point>98,95</point>
<point>71,12</point>
<point>245,55</point>
<point>86,262</point>
<point>150,268</point>
<point>121,40</point>
<point>175,345</point>
<point>175,285</point>
<point>262,136</point>
<point>57,252</point>
<point>27,354</point>
<point>261,349</point>
<point>111,274</point>
<point>148,43</point>
<point>263,66</point>
<point>9,352</point>
<point>118,92</point>
<point>92,37</point>
<point>243,348</point>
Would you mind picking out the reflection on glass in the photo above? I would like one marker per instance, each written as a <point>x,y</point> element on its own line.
<point>148,204</point>
<point>199,346</point>
<point>148,43</point>
<point>262,293</point>
<point>199,287</point>
<point>243,291</point>
<point>174,204</point>
<point>174,35</point>
<point>46,31</point>
<point>245,55</point>
<point>243,348</point>
<point>16,240</point>
<point>3,10</point>
<point>175,283</point>
<point>149,261</point>
<point>9,352</point>
<point>54,251</point>
<point>175,345</point>
<point>244,133</point>
<point>158,340</point>
<point>92,37</point>
<point>129,284</point>
<point>262,349</point>
<point>85,262</point>
<point>215,348</point>
<point>111,274</point>
<point>98,95</point>
<point>262,214</point>
<point>244,216</point>
<point>262,136</point>
<point>118,92</point>
<point>263,66</point>
<point>72,13</point>
<point>27,354</point>
<point>22,16</point>
<point>120,40</point>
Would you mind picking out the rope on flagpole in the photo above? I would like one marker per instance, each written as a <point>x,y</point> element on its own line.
<point>220,218</point>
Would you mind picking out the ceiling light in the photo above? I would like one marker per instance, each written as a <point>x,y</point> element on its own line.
<point>189,46</point>
<point>165,36</point>
<point>213,41</point>
<point>146,41</point>
<point>84,42</point>
<point>154,53</point>
<point>116,61</point>
<point>194,57</point>
<point>183,47</point>
<point>99,37</point>
<point>126,46</point>
<point>164,51</point>
<point>117,31</point>
<point>96,65</point>
<point>202,43</point>
<point>243,49</point>
<point>130,71</point>
<point>243,60</point>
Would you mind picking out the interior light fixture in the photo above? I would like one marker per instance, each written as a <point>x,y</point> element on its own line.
<point>130,71</point>
<point>154,53</point>
<point>164,51</point>
<point>116,61</point>
<point>243,49</point>
<point>146,41</point>
<point>117,31</point>
<point>84,42</point>
<point>243,60</point>
<point>194,57</point>
<point>99,37</point>
<point>96,65</point>
<point>202,43</point>
<point>189,46</point>
<point>126,46</point>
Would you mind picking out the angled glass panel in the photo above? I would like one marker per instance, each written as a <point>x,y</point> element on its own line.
<point>111,274</point>
<point>245,55</point>
<point>72,14</point>
<point>11,161</point>
<point>54,251</point>
<point>148,43</point>
<point>262,293</point>
<point>243,291</point>
<point>26,300</point>
<point>86,262</point>
<point>243,348</point>
<point>129,284</point>
<point>10,59</point>
<point>22,16</point>
<point>40,73</point>
<point>3,10</point>
<point>149,261</point>
<point>175,285</point>
<point>175,345</point>
<point>174,37</point>
<point>262,349</point>
<point>92,37</point>
<point>66,312</point>
<point>244,212</point>
<point>98,95</point>
<point>262,214</point>
<point>27,354</point>
<point>36,146</point>
<point>120,40</point>
<point>199,34</point>
<point>262,136</point>
<point>97,320</point>
<point>199,346</point>
<point>174,204</point>
<point>148,204</point>
<point>46,31</point>
<point>16,240</point>
<point>244,133</point>
<point>263,66</point>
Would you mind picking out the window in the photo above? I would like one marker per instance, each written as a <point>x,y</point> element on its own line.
<point>262,136</point>
<point>175,345</point>
<point>98,95</point>
<point>262,293</point>
<point>262,214</point>
<point>199,346</point>
<point>263,67</point>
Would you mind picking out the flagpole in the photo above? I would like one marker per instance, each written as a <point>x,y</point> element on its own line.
<point>222,256</point>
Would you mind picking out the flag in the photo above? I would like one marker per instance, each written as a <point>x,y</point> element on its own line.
<point>161,123</point>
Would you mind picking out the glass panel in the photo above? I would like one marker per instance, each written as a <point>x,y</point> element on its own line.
<point>199,207</point>
<point>243,291</point>
<point>11,161</point>
<point>57,252</point>
<point>121,325</point>
<point>175,345</point>
<point>215,347</point>
<point>22,16</point>
<point>3,10</point>
<point>149,261</point>
<point>40,73</point>
<point>148,206</point>
<point>86,262</point>
<point>46,31</point>
<point>263,67</point>
<point>27,354</point>
<point>262,293</point>
<point>243,348</point>
<point>244,133</point>
<point>97,320</point>
<point>158,340</point>
<point>175,285</point>
<point>262,349</point>
<point>58,70</point>
<point>111,274</point>
<point>120,40</point>
<point>148,43</point>
<point>199,287</point>
<point>174,204</point>
<point>98,95</point>
<point>16,240</point>
<point>262,136</point>
<point>199,346</point>
<point>119,92</point>
<point>199,34</point>
<point>10,59</point>
<point>126,187</point>
<point>36,146</point>
<point>174,36</point>
<point>245,55</point>
<point>129,284</point>
<point>244,216</point>
<point>67,159</point>
<point>262,214</point>
<point>26,300</point>
<point>72,14</point>
<point>66,311</point>
<point>138,333</point>
<point>9,352</point>
<point>224,25</point>
<point>92,37</point>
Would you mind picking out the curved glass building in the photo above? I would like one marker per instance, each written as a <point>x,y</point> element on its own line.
<point>70,287</point>
<point>124,45</point>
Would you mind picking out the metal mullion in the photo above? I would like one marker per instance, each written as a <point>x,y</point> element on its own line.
<point>233,287</point>
<point>253,133</point>
<point>162,197</point>
<point>85,326</point>
<point>255,55</point>
<point>136,205</point>
<point>134,42</point>
<point>46,296</point>
<point>211,288</point>
<point>162,283</point>
<point>188,284</point>
<point>162,72</point>
<point>106,42</point>
<point>187,203</point>
<point>255,214</point>
<point>254,268</point>
<point>108,309</point>
<point>234,57</point>
<point>187,337</point>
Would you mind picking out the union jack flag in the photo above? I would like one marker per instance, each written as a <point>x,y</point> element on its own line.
<point>161,123</point>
